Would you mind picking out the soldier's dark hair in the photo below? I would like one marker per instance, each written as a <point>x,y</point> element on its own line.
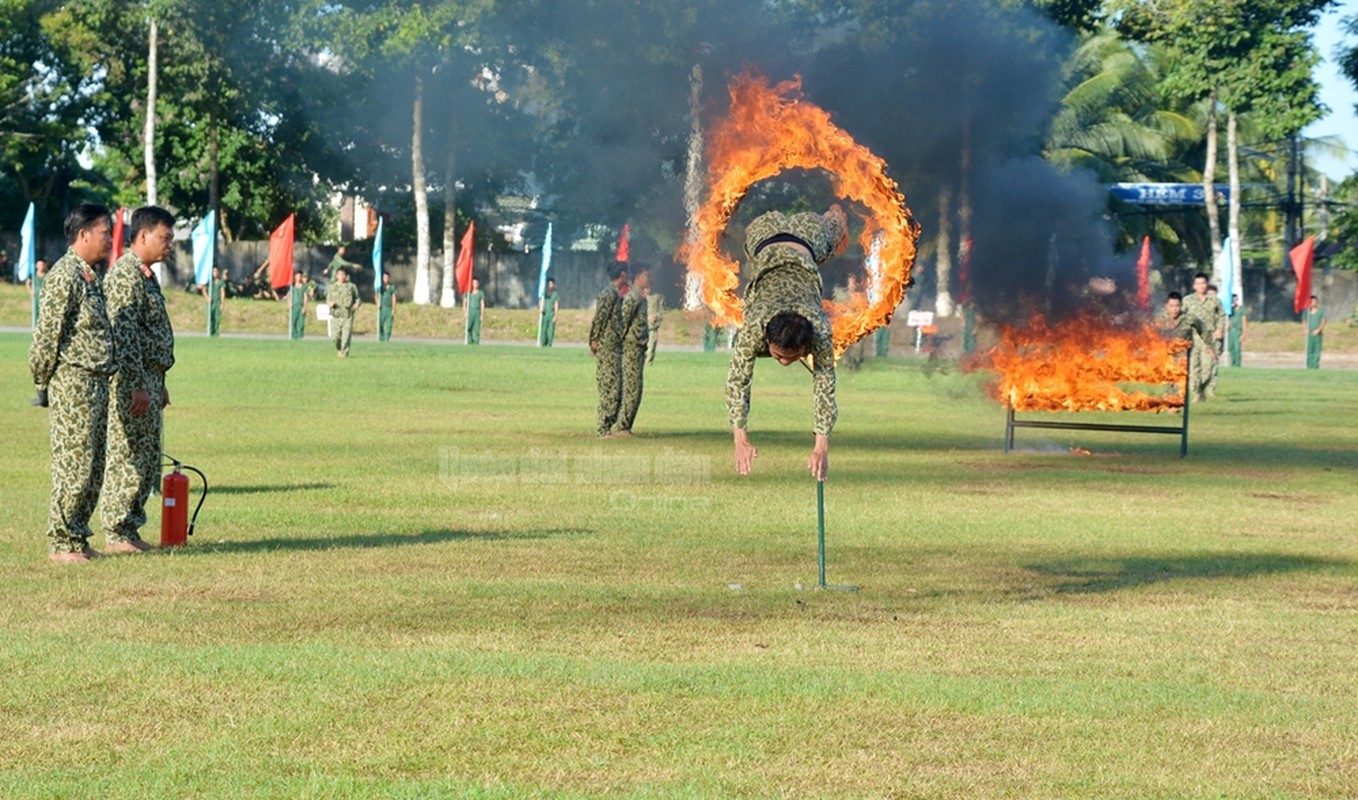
<point>616,269</point>
<point>148,218</point>
<point>1175,296</point>
<point>1202,275</point>
<point>82,218</point>
<point>790,331</point>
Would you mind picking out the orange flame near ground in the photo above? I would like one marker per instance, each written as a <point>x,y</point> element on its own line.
<point>1079,364</point>
<point>772,129</point>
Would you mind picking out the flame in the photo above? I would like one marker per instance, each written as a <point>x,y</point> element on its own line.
<point>772,129</point>
<point>1078,364</point>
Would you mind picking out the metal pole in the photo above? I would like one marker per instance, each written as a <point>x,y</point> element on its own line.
<point>1009,430</point>
<point>820,530</point>
<point>1188,378</point>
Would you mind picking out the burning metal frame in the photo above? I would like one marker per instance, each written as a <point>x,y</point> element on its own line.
<point>1181,429</point>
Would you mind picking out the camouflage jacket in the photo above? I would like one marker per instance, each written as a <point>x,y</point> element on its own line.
<point>142,337</point>
<point>784,280</point>
<point>1208,310</point>
<point>1182,327</point>
<point>73,324</point>
<point>343,299</point>
<point>634,328</point>
<point>606,329</point>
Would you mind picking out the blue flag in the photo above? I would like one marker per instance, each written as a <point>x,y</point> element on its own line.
<point>546,262</point>
<point>28,249</point>
<point>1226,276</point>
<point>204,253</point>
<point>377,258</point>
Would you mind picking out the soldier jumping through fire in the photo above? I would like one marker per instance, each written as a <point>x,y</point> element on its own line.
<point>784,320</point>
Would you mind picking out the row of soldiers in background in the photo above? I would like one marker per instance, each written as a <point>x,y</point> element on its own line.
<point>102,344</point>
<point>620,342</point>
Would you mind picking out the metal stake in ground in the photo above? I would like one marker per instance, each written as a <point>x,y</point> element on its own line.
<point>820,541</point>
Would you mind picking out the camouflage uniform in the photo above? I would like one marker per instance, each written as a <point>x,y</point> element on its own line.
<point>1206,310</point>
<point>144,347</point>
<point>785,280</point>
<point>655,311</point>
<point>343,299</point>
<point>72,359</point>
<point>605,333</point>
<point>634,337</point>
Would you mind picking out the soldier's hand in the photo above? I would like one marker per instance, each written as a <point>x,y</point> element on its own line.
<point>746,453</point>
<point>41,400</point>
<point>819,460</point>
<point>141,402</point>
<point>164,397</point>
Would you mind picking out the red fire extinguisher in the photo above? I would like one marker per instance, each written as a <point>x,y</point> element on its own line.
<point>175,527</point>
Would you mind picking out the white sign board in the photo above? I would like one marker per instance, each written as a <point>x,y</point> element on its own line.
<point>918,319</point>
<point>322,312</point>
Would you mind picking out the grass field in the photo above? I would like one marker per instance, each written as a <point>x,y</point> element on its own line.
<point>418,574</point>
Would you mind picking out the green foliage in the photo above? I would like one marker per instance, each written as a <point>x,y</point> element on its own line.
<point>1344,225</point>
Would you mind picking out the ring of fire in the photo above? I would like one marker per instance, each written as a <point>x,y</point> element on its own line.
<point>772,129</point>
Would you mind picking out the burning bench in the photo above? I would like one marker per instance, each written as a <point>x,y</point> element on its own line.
<point>1085,364</point>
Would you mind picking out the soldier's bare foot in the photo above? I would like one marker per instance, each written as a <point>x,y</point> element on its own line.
<point>133,546</point>
<point>78,557</point>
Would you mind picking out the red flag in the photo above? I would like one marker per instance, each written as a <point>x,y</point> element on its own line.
<point>1303,256</point>
<point>623,251</point>
<point>280,254</point>
<point>463,270</point>
<point>1143,275</point>
<point>117,236</point>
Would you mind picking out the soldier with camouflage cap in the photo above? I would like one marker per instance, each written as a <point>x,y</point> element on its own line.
<point>143,343</point>
<point>605,344</point>
<point>72,359</point>
<point>785,320</point>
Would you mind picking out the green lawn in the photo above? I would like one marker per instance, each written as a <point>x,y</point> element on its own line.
<point>418,574</point>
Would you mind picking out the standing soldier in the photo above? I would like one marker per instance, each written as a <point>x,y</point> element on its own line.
<point>71,360</point>
<point>1202,308</point>
<point>215,292</point>
<point>386,307</point>
<point>1235,331</point>
<point>473,307</point>
<point>339,262</point>
<point>297,302</point>
<point>34,284</point>
<point>144,348</point>
<point>635,337</point>
<point>605,344</point>
<point>547,308</point>
<point>343,299</point>
<point>1314,317</point>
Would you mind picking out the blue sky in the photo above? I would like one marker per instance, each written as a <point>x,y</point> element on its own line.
<point>1337,93</point>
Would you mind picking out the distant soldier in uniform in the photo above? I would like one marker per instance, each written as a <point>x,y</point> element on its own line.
<point>635,335</point>
<point>547,308</point>
<point>711,333</point>
<point>1203,308</point>
<point>473,308</point>
<point>1235,331</point>
<point>1174,324</point>
<point>655,311</point>
<point>386,308</point>
<point>881,340</point>
<point>605,344</point>
<point>339,263</point>
<point>1314,317</point>
<point>785,320</point>
<point>1218,343</point>
<point>968,328</point>
<point>215,292</point>
<point>71,359</point>
<point>143,344</point>
<point>34,284</point>
<point>297,302</point>
<point>343,299</point>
